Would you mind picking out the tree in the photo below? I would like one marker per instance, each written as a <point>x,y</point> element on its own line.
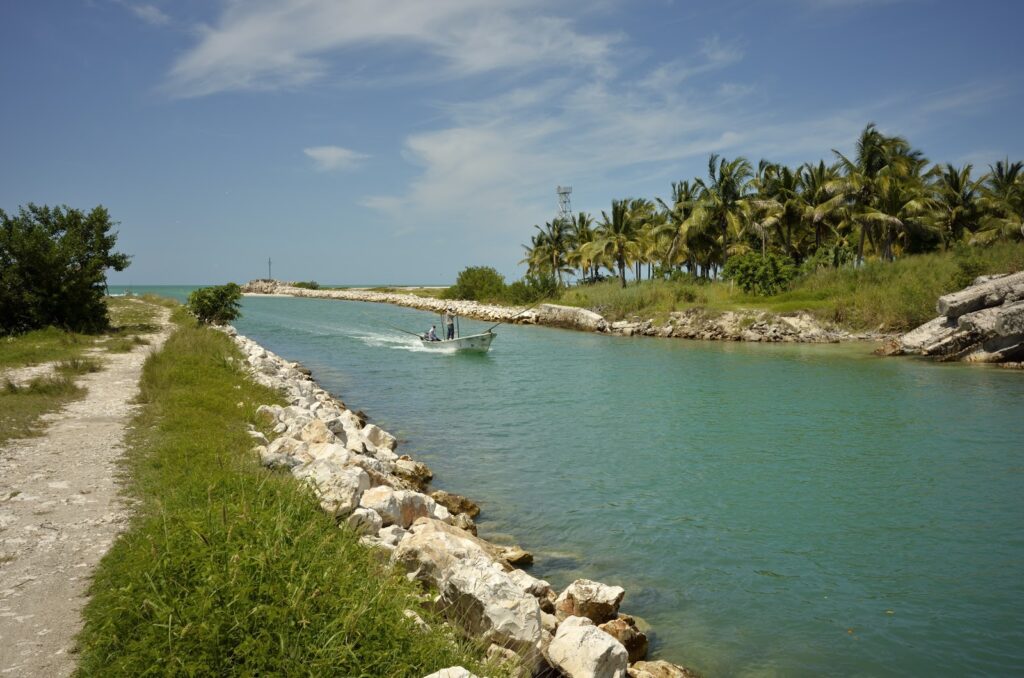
<point>1004,201</point>
<point>957,204</point>
<point>217,305</point>
<point>477,283</point>
<point>723,207</point>
<point>616,237</point>
<point>53,265</point>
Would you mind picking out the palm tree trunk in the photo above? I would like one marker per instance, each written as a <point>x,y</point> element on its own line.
<point>860,245</point>
<point>622,269</point>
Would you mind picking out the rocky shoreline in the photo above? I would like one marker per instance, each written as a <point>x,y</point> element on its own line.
<point>983,323</point>
<point>360,480</point>
<point>695,323</point>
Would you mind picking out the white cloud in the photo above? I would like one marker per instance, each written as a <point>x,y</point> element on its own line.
<point>334,157</point>
<point>151,14</point>
<point>266,44</point>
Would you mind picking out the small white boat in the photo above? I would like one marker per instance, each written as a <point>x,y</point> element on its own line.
<point>478,343</point>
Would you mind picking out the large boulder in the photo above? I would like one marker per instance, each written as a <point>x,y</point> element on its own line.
<point>379,437</point>
<point>581,650</point>
<point>660,669</point>
<point>593,600</point>
<point>416,473</point>
<point>339,488</point>
<point>478,595</point>
<point>991,292</point>
<point>451,672</point>
<point>456,503</point>
<point>571,317</point>
<point>402,507</point>
<point>432,548</point>
<point>625,631</point>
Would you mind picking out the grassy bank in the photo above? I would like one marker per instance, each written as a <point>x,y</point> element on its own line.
<point>229,569</point>
<point>894,296</point>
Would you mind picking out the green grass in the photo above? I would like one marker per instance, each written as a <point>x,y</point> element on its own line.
<point>891,296</point>
<point>229,569</point>
<point>22,405</point>
<point>41,346</point>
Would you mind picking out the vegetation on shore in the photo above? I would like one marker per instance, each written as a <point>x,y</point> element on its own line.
<point>869,240</point>
<point>231,569</point>
<point>22,404</point>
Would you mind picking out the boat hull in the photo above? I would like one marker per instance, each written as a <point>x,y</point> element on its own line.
<point>477,343</point>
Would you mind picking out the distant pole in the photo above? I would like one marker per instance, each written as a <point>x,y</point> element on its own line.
<point>270,276</point>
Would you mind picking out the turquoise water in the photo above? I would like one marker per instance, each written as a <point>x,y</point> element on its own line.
<point>770,510</point>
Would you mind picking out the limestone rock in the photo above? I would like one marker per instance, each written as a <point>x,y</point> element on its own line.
<point>516,556</point>
<point>989,293</point>
<point>465,522</point>
<point>581,650</point>
<point>379,437</point>
<point>486,603</point>
<point>625,631</point>
<point>432,548</point>
<point>591,599</point>
<point>570,316</point>
<point>364,521</point>
<point>316,431</point>
<point>456,503</point>
<point>339,488</point>
<point>451,672</point>
<point>415,472</point>
<point>660,669</point>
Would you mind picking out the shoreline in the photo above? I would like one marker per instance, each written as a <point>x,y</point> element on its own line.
<point>694,323</point>
<point>353,467</point>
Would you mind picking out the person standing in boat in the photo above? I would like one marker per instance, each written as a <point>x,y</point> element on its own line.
<point>449,323</point>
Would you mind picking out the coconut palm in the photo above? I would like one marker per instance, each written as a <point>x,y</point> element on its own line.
<point>901,208</point>
<point>723,206</point>
<point>581,233</point>
<point>957,202</point>
<point>684,199</point>
<point>822,208</point>
<point>1003,200</point>
<point>616,237</point>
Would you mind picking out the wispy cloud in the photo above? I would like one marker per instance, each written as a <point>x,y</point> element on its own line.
<point>329,158</point>
<point>151,14</point>
<point>268,44</point>
<point>713,55</point>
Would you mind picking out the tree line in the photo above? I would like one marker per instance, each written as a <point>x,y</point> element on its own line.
<point>884,202</point>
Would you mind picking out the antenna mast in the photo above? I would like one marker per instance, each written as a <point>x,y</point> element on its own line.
<point>564,204</point>
<point>269,275</point>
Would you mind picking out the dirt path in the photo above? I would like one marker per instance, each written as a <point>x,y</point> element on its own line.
<point>59,513</point>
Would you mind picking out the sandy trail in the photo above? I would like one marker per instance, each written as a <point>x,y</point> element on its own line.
<point>59,513</point>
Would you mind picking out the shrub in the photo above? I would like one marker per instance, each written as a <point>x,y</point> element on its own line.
<point>307,285</point>
<point>53,268</point>
<point>217,305</point>
<point>477,283</point>
<point>757,274</point>
<point>531,289</point>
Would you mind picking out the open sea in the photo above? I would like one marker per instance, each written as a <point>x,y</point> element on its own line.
<point>771,510</point>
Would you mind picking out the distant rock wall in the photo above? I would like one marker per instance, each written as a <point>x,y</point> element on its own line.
<point>981,323</point>
<point>695,323</point>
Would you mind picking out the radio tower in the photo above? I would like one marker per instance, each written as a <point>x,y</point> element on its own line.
<point>564,204</point>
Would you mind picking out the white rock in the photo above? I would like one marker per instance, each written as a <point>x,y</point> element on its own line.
<point>364,521</point>
<point>393,534</point>
<point>591,599</point>
<point>316,431</point>
<point>451,672</point>
<point>432,548</point>
<point>379,437</point>
<point>382,500</point>
<point>581,650</point>
<point>338,487</point>
<point>488,604</point>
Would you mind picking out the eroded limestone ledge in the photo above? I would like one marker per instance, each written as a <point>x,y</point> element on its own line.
<point>984,322</point>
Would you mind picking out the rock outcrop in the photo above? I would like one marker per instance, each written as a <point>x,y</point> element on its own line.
<point>580,650</point>
<point>981,323</point>
<point>593,600</point>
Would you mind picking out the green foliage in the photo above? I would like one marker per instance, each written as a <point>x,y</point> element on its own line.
<point>216,305</point>
<point>532,288</point>
<point>307,285</point>
<point>230,569</point>
<point>53,264</point>
<point>757,274</point>
<point>477,283</point>
<point>40,346</point>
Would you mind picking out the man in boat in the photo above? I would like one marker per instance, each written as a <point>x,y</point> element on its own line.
<point>449,322</point>
<point>432,334</point>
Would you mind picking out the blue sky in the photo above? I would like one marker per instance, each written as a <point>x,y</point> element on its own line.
<point>382,141</point>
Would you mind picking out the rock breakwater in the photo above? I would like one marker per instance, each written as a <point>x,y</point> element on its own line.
<point>362,482</point>
<point>983,322</point>
<point>695,323</point>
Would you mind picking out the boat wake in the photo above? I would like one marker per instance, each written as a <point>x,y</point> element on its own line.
<point>397,342</point>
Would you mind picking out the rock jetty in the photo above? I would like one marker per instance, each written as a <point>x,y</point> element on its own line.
<point>983,323</point>
<point>695,323</point>
<point>361,480</point>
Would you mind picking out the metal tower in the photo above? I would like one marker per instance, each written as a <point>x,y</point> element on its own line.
<point>564,203</point>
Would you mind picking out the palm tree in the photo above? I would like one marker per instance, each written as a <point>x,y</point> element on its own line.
<point>821,207</point>
<point>957,206</point>
<point>723,206</point>
<point>901,207</point>
<point>684,199</point>
<point>616,237</point>
<point>1003,200</point>
<point>581,233</point>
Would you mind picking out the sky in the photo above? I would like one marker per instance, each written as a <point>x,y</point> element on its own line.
<point>399,141</point>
